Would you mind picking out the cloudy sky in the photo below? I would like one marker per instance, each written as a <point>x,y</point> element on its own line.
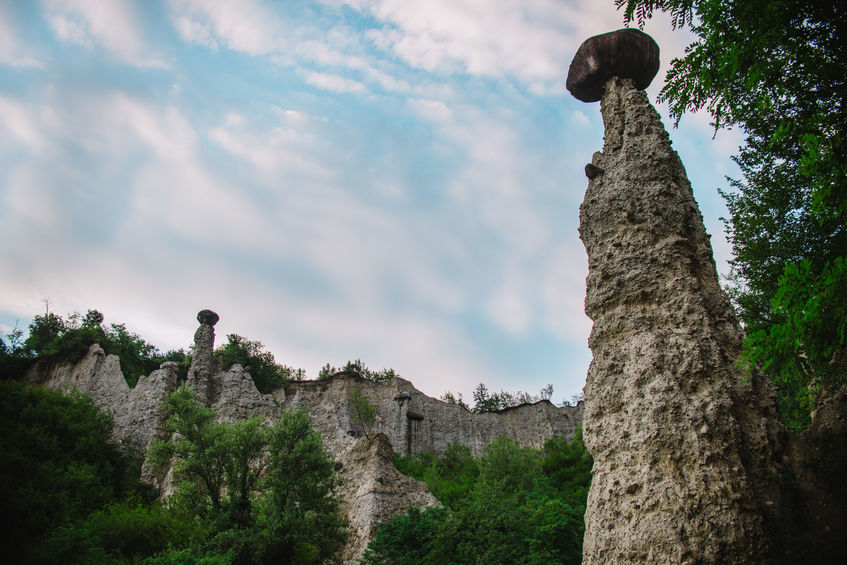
<point>388,180</point>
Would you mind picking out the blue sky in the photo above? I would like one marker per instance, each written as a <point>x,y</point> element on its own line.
<point>379,179</point>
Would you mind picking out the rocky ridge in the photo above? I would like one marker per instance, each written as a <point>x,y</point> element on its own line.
<point>407,421</point>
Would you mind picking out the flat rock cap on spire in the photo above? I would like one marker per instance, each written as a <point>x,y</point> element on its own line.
<point>625,53</point>
<point>207,317</point>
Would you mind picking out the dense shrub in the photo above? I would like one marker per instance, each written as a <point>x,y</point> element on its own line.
<point>267,374</point>
<point>58,464</point>
<point>512,505</point>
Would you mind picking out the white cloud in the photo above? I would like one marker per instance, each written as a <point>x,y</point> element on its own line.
<point>246,26</point>
<point>334,83</point>
<point>21,123</point>
<point>112,25</point>
<point>528,40</point>
<point>434,110</point>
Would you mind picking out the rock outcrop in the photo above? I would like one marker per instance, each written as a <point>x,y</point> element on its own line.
<point>417,423</point>
<point>407,421</point>
<point>682,442</point>
<point>374,491</point>
<point>138,412</point>
<point>202,367</point>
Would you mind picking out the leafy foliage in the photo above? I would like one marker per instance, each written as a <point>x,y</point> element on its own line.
<point>450,398</point>
<point>58,465</point>
<point>797,351</point>
<point>493,402</point>
<point>449,478</point>
<point>360,368</point>
<point>267,374</point>
<point>364,413</point>
<point>512,505</point>
<point>53,339</point>
<point>778,69</point>
<point>263,494</point>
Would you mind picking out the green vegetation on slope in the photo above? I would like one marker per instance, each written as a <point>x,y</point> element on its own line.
<point>512,505</point>
<point>75,497</point>
<point>267,374</point>
<point>263,494</point>
<point>52,340</point>
<point>360,368</point>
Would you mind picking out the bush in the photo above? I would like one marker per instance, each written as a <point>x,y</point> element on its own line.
<point>58,464</point>
<point>267,374</point>
<point>512,505</point>
<point>361,369</point>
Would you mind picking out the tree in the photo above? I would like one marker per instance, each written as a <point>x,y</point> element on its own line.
<point>58,464</point>
<point>300,509</point>
<point>199,450</point>
<point>53,340</point>
<point>266,373</point>
<point>451,398</point>
<point>266,494</point>
<point>364,413</point>
<point>500,508</point>
<point>360,369</point>
<point>486,402</point>
<point>778,70</point>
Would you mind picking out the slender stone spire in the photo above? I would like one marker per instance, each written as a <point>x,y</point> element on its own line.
<point>680,441</point>
<point>201,370</point>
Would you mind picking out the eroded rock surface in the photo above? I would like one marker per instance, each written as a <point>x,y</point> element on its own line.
<point>374,491</point>
<point>417,423</point>
<point>682,445</point>
<point>407,421</point>
<point>138,412</point>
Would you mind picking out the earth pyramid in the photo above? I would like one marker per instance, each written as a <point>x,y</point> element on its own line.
<point>682,440</point>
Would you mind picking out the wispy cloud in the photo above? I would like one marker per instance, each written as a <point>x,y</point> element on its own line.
<point>335,83</point>
<point>389,180</point>
<point>246,26</point>
<point>113,26</point>
<point>12,52</point>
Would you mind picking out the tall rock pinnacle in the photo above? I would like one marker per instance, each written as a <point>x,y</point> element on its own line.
<point>201,370</point>
<point>680,441</point>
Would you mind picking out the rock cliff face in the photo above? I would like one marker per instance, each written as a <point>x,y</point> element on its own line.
<point>416,423</point>
<point>374,491</point>
<point>138,412</point>
<point>407,421</point>
<point>681,443</point>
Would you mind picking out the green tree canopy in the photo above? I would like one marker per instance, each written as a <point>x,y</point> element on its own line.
<point>267,374</point>
<point>58,464</point>
<point>512,505</point>
<point>53,339</point>
<point>265,493</point>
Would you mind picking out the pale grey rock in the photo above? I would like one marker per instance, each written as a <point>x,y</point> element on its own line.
<point>374,491</point>
<point>398,408</point>
<point>202,360</point>
<point>682,445</point>
<point>138,413</point>
<point>407,420</point>
<point>238,398</point>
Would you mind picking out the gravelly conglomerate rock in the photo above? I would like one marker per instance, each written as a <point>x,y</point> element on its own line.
<point>202,367</point>
<point>682,445</point>
<point>138,412</point>
<point>417,423</point>
<point>374,491</point>
<point>407,421</point>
